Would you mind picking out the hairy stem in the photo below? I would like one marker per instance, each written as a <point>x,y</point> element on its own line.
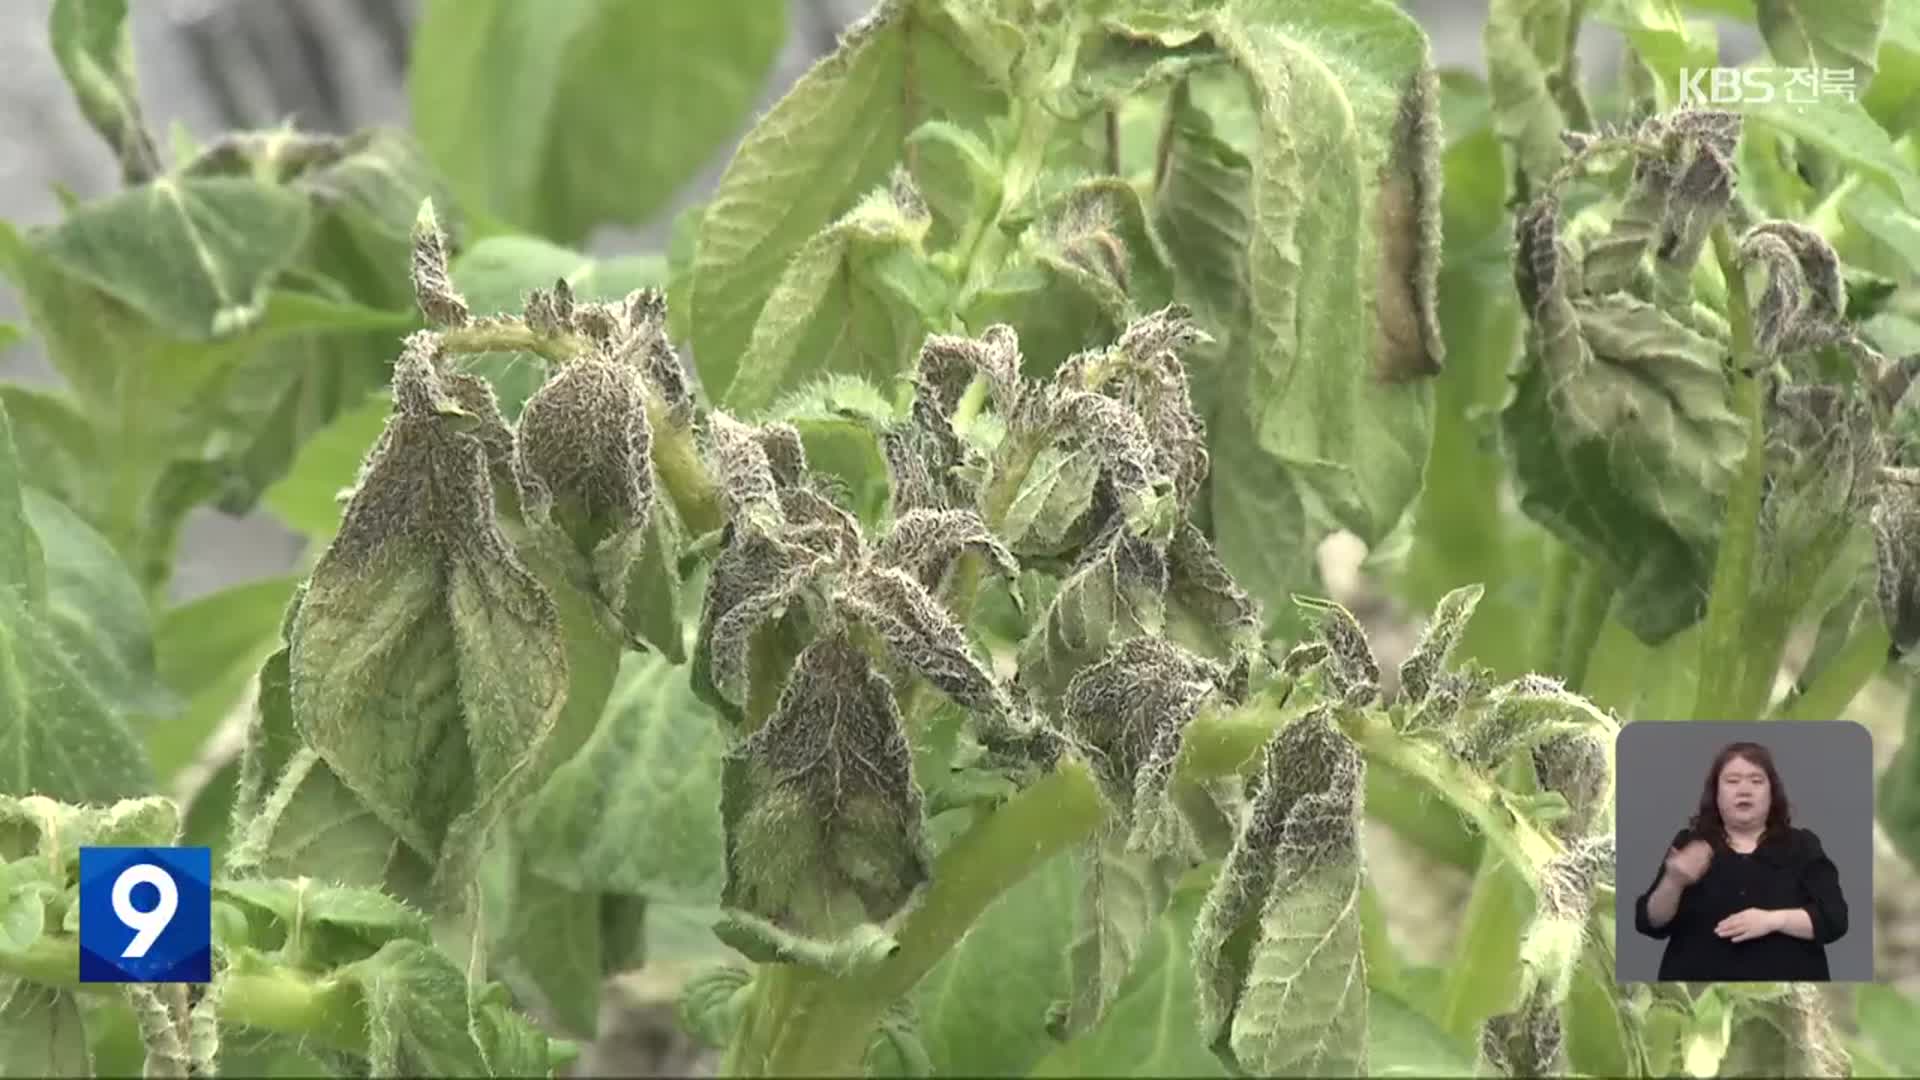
<point>325,1011</point>
<point>1723,666</point>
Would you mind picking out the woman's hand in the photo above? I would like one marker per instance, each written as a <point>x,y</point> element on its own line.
<point>1689,864</point>
<point>1749,924</point>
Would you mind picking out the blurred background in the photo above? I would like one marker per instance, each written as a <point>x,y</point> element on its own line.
<point>210,66</point>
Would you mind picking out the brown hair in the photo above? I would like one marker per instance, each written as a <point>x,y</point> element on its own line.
<point>1706,823</point>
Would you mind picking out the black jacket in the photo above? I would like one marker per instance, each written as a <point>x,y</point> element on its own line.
<point>1783,872</point>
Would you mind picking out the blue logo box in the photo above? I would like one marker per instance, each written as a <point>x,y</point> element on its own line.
<point>146,914</point>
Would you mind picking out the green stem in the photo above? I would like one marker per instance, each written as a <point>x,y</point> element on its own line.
<point>1563,566</point>
<point>508,336</point>
<point>807,1023</point>
<point>316,1008</point>
<point>1723,666</point>
<point>1863,656</point>
<point>1586,617</point>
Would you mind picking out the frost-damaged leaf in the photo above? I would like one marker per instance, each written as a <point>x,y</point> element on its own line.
<point>1131,709</point>
<point>1116,592</point>
<point>1352,672</point>
<point>925,544</point>
<point>94,47</point>
<point>1579,766</point>
<point>1524,713</point>
<point>1822,468</point>
<point>1205,596</point>
<point>1419,672</point>
<point>928,464</point>
<point>1843,34</point>
<point>427,662</point>
<point>1624,442</point>
<point>856,298</point>
<point>1346,175</point>
<point>584,112</point>
<point>1551,947</point>
<point>1526,1042</point>
<point>925,639</point>
<point>825,841</point>
<point>1277,957</point>
<point>749,590</point>
<point>58,734</point>
<point>433,291</point>
<point>835,136</point>
<point>1896,546</point>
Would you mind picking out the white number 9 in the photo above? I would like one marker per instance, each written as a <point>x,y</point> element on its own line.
<point>148,925</point>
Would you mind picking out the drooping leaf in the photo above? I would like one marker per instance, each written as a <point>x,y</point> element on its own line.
<point>1824,36</point>
<point>42,1032</point>
<point>426,1018</point>
<point>427,662</point>
<point>587,112</point>
<point>1528,46</point>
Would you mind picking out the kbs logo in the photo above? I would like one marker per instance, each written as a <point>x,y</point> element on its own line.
<point>1763,86</point>
<point>146,914</point>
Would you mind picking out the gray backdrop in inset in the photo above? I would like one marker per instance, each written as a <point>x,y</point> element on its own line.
<point>1827,770</point>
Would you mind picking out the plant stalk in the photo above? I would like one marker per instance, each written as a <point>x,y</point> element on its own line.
<point>1722,648</point>
<point>1863,656</point>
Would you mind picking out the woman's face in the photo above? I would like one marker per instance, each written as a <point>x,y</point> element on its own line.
<point>1745,794</point>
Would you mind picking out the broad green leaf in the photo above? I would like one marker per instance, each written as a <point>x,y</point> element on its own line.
<point>1897,792</point>
<point>1886,233</point>
<point>1152,1027</point>
<point>196,257</point>
<point>1837,34</point>
<point>307,498</point>
<point>55,831</point>
<point>208,650</point>
<point>565,116</point>
<point>59,735</point>
<point>1403,1042</point>
<point>983,1008</point>
<point>637,809</point>
<point>496,274</point>
<point>1601,1040</point>
<point>94,46</point>
<point>1832,124</point>
<point>1663,40</point>
<point>857,297</point>
<point>428,663</point>
<point>834,137</point>
<point>1890,1021</point>
<point>323,924</point>
<point>41,1031</point>
<point>1123,894</point>
<point>56,443</point>
<point>545,938</point>
<point>99,611</point>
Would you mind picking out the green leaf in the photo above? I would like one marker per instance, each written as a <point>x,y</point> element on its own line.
<point>325,924</point>
<point>59,735</point>
<point>1403,1042</point>
<point>99,611</point>
<point>1890,1021</point>
<point>567,116</point>
<point>1528,45</point>
<point>549,940</point>
<point>425,1019</point>
<point>1152,1027</point>
<point>1897,792</point>
<point>1339,352</point>
<point>307,498</point>
<point>1831,124</point>
<point>208,650</point>
<point>983,1007</point>
<point>496,274</point>
<point>835,136</point>
<point>427,662</point>
<point>1122,895</point>
<point>41,1031</point>
<point>1842,34</point>
<point>1664,42</point>
<point>94,46</point>
<point>637,810</point>
<point>857,297</point>
<point>195,256</point>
